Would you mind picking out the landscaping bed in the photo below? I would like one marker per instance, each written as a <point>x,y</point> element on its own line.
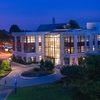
<point>36,72</point>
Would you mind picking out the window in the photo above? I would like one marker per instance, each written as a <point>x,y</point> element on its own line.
<point>29,44</point>
<point>40,48</point>
<point>66,60</point>
<point>32,59</point>
<point>81,43</point>
<point>40,43</point>
<point>69,44</point>
<point>40,58</point>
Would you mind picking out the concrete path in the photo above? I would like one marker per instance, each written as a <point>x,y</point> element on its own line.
<point>16,70</point>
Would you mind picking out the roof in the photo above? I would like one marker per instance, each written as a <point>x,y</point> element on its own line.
<point>49,27</point>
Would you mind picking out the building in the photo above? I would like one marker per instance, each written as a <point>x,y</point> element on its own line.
<point>61,46</point>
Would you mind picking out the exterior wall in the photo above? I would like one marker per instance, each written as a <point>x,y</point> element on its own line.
<point>77,55</point>
<point>93,26</point>
<point>63,56</point>
<point>22,54</point>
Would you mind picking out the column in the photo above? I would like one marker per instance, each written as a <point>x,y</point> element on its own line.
<point>37,44</point>
<point>62,43</point>
<point>75,44</point>
<point>22,43</point>
<point>43,43</point>
<point>15,43</point>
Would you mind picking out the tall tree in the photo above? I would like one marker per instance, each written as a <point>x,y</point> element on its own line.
<point>73,24</point>
<point>90,83</point>
<point>14,28</point>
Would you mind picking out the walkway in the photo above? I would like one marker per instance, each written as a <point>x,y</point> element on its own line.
<point>16,70</point>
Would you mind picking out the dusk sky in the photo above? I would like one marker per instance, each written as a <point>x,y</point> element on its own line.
<point>29,14</point>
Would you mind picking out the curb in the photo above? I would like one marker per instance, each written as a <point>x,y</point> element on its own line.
<point>36,77</point>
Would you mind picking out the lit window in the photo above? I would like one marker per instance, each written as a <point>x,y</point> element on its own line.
<point>40,58</point>
<point>93,48</point>
<point>40,38</point>
<point>40,48</point>
<point>98,37</point>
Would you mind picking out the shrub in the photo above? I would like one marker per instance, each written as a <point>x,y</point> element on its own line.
<point>6,64</point>
<point>36,69</point>
<point>2,72</point>
<point>51,71</point>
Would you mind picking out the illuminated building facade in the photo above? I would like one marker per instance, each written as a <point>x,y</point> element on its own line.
<point>61,46</point>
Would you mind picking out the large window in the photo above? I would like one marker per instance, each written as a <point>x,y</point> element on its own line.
<point>52,48</point>
<point>29,44</point>
<point>19,43</point>
<point>93,39</point>
<point>40,43</point>
<point>81,43</point>
<point>69,44</point>
<point>66,61</point>
<point>33,59</point>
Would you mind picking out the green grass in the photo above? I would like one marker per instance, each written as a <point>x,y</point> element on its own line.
<point>41,92</point>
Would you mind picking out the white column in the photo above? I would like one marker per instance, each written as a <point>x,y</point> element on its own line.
<point>75,44</point>
<point>15,43</point>
<point>62,49</point>
<point>22,43</point>
<point>76,60</point>
<point>37,44</point>
<point>62,43</point>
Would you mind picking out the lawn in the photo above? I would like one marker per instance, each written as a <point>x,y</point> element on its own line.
<point>41,92</point>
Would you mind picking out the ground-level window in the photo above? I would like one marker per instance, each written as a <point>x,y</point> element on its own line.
<point>40,58</point>
<point>32,59</point>
<point>66,60</point>
<point>73,61</point>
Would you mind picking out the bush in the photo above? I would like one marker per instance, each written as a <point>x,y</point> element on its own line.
<point>2,72</point>
<point>51,71</point>
<point>36,69</point>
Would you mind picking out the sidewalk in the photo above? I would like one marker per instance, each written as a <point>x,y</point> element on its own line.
<point>4,94</point>
<point>5,89</point>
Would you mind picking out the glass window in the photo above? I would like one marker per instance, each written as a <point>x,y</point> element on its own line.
<point>40,58</point>
<point>66,60</point>
<point>40,38</point>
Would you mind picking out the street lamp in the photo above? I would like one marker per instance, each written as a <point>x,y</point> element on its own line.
<point>15,81</point>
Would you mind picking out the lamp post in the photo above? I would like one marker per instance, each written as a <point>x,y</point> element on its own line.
<point>15,81</point>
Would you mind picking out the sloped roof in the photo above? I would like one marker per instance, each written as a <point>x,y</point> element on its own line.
<point>48,27</point>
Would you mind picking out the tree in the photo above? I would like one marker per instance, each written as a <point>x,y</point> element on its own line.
<point>90,83</point>
<point>48,65</point>
<point>6,64</point>
<point>59,27</point>
<point>73,24</point>
<point>42,64</point>
<point>1,67</point>
<point>14,28</point>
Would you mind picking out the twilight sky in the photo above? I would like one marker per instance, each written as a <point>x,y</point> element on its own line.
<point>29,14</point>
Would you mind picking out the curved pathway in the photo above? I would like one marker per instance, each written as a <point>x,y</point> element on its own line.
<point>5,89</point>
<point>17,69</point>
